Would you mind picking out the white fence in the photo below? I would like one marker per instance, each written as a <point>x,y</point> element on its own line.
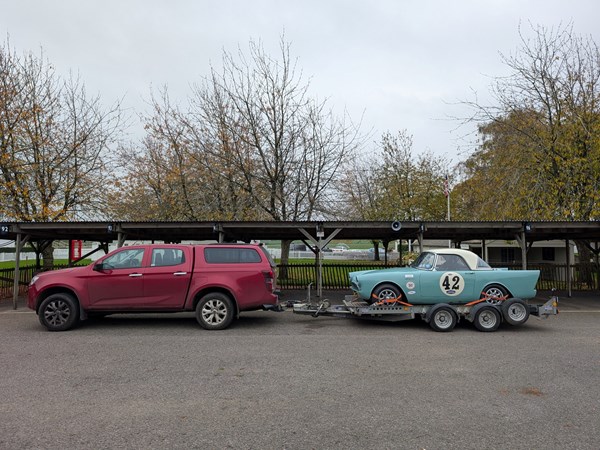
<point>350,255</point>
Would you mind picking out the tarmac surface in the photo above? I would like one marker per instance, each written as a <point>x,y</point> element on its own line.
<point>286,381</point>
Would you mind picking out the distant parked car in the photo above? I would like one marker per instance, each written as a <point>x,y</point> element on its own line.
<point>295,247</point>
<point>340,248</point>
<point>444,276</point>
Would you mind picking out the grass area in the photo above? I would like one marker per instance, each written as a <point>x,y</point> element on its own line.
<point>335,273</point>
<point>31,262</point>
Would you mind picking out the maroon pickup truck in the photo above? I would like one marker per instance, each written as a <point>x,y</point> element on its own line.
<point>217,281</point>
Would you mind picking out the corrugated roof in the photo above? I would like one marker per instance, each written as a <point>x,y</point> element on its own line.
<point>174,231</point>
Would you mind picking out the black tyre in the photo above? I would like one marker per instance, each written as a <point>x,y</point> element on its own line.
<point>59,312</point>
<point>493,293</point>
<point>515,311</point>
<point>214,311</point>
<point>487,318</point>
<point>443,319</point>
<point>385,292</point>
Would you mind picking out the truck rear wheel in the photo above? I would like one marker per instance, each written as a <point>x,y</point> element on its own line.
<point>214,311</point>
<point>487,318</point>
<point>515,311</point>
<point>443,319</point>
<point>59,312</point>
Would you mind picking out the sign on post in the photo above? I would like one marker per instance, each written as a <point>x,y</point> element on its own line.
<point>75,250</point>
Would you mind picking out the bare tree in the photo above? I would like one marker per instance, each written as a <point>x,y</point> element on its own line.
<point>286,146</point>
<point>54,140</point>
<point>252,144</point>
<point>359,192</point>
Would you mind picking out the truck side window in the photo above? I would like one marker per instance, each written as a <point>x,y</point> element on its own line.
<point>231,255</point>
<point>167,257</point>
<point>126,259</point>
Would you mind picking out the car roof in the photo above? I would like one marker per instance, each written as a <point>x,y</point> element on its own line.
<point>470,257</point>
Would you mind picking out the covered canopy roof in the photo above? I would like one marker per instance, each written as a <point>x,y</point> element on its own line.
<point>245,231</point>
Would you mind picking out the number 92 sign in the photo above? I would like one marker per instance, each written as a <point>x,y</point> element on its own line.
<point>452,283</point>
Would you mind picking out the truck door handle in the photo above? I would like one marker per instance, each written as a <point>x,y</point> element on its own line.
<point>179,274</point>
<point>133,275</point>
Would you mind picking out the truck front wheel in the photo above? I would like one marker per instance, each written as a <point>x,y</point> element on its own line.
<point>59,312</point>
<point>214,311</point>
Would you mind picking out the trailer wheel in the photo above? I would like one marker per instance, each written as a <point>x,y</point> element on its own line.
<point>487,318</point>
<point>386,292</point>
<point>443,319</point>
<point>515,311</point>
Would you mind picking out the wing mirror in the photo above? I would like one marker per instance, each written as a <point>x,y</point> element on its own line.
<point>98,267</point>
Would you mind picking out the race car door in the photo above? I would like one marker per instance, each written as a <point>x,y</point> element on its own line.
<point>451,280</point>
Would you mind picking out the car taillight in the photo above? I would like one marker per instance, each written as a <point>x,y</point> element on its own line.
<point>269,280</point>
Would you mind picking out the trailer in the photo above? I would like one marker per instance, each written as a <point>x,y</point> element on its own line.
<point>486,313</point>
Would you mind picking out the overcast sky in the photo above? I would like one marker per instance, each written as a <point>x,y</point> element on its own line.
<point>397,64</point>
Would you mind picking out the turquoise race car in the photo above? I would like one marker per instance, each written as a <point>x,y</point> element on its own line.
<point>452,276</point>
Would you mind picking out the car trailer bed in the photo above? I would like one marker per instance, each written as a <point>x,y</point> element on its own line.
<point>485,313</point>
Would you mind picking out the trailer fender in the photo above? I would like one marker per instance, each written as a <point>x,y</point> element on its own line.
<point>434,308</point>
<point>471,315</point>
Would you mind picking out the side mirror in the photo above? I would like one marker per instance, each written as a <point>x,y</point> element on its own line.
<point>98,267</point>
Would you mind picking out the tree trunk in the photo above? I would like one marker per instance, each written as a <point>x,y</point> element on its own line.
<point>376,251</point>
<point>285,258</point>
<point>48,257</point>
<point>585,260</point>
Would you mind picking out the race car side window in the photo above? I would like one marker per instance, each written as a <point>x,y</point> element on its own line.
<point>424,261</point>
<point>451,262</point>
<point>481,264</point>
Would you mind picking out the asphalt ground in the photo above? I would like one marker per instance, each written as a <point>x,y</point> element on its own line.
<point>285,381</point>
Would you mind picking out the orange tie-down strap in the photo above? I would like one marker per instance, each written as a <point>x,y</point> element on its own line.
<point>485,297</point>
<point>390,301</point>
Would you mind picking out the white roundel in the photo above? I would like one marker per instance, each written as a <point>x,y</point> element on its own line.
<point>452,283</point>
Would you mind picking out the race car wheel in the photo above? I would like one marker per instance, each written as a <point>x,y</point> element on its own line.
<point>443,319</point>
<point>386,292</point>
<point>515,311</point>
<point>493,293</point>
<point>487,318</point>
